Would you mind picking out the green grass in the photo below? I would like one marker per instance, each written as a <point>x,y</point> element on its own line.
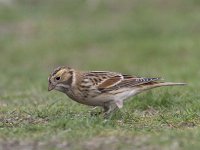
<point>144,38</point>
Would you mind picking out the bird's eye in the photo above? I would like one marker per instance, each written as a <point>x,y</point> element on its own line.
<point>57,78</point>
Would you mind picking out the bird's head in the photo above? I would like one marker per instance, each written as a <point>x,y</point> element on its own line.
<point>60,79</point>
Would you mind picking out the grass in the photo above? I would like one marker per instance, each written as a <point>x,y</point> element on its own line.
<point>144,38</point>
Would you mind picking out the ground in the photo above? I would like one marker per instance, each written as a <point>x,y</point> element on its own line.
<point>144,38</point>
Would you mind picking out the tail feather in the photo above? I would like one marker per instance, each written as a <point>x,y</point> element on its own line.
<point>169,84</point>
<point>159,84</point>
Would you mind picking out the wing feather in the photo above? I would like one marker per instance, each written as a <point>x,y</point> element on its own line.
<point>105,81</point>
<point>102,79</point>
<point>110,82</point>
<point>131,82</point>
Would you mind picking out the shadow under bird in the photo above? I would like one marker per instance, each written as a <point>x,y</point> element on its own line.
<point>101,88</point>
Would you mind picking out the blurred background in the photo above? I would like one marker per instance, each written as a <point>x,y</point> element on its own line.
<point>140,37</point>
<point>150,38</point>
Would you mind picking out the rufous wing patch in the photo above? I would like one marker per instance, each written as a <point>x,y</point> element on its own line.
<point>109,82</point>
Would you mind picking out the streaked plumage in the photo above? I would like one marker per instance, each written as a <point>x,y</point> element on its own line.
<point>101,88</point>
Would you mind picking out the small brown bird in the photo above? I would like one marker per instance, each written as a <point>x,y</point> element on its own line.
<point>101,88</point>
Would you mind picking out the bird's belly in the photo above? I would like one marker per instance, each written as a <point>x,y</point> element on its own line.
<point>94,102</point>
<point>101,99</point>
<point>91,101</point>
<point>125,94</point>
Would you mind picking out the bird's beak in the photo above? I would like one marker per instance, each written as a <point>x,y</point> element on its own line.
<point>51,87</point>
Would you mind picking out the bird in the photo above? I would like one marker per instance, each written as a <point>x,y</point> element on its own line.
<point>105,89</point>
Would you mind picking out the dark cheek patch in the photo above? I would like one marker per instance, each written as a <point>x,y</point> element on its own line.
<point>71,73</point>
<point>68,82</point>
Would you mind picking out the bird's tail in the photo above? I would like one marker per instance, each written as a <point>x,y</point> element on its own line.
<point>169,84</point>
<point>160,84</point>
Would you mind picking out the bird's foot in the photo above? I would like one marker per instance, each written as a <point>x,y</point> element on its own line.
<point>95,113</point>
<point>108,114</point>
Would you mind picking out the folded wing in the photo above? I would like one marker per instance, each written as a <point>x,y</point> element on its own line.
<point>123,81</point>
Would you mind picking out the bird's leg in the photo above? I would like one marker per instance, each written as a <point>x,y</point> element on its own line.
<point>109,108</point>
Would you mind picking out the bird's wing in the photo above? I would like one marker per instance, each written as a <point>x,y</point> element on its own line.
<point>107,81</point>
<point>101,79</point>
<point>124,81</point>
